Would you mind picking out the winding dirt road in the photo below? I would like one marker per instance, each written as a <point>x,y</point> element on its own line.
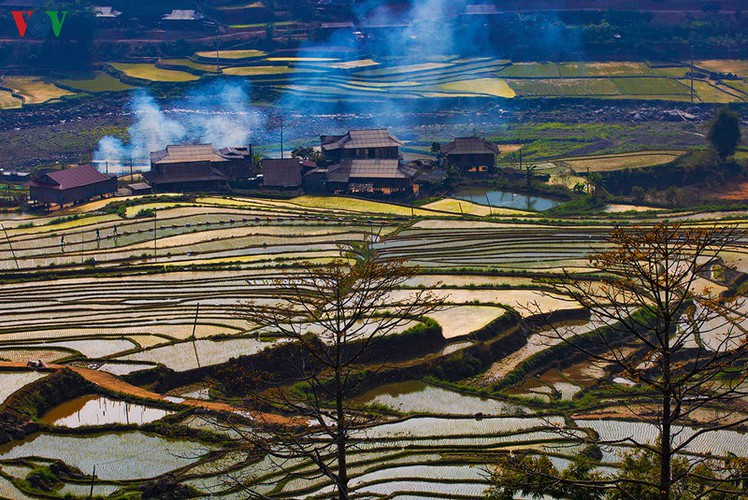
<point>116,385</point>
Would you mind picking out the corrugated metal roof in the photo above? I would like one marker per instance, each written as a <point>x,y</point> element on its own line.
<point>186,173</point>
<point>182,15</point>
<point>283,173</point>
<point>349,170</point>
<point>83,175</point>
<point>187,153</point>
<point>358,139</point>
<point>470,146</point>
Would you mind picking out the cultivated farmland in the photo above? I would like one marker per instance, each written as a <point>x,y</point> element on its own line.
<point>156,300</point>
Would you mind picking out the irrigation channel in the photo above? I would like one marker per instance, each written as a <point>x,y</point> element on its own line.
<point>126,296</point>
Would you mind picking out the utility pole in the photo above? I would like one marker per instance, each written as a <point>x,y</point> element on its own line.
<point>218,55</point>
<point>155,248</point>
<point>132,179</point>
<point>692,65</point>
<point>194,330</point>
<point>281,138</point>
<point>10,245</point>
<point>93,478</point>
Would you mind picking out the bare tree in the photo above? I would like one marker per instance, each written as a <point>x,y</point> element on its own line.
<point>339,318</point>
<point>682,345</point>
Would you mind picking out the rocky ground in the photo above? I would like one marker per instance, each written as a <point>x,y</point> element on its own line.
<point>69,132</point>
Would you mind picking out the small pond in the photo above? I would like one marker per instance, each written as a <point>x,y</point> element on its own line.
<point>506,199</point>
<point>97,410</point>
<point>419,397</point>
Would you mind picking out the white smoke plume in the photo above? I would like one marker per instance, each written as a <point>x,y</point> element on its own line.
<point>219,113</point>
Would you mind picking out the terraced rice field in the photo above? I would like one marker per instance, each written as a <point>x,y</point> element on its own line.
<point>150,72</point>
<point>94,82</point>
<point>34,90</point>
<point>140,297</point>
<point>609,163</point>
<point>326,78</point>
<point>232,54</point>
<point>8,100</point>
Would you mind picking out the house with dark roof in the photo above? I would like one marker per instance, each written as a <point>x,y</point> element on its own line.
<point>371,175</point>
<point>72,185</point>
<point>198,167</point>
<point>362,145</point>
<point>471,154</point>
<point>284,173</point>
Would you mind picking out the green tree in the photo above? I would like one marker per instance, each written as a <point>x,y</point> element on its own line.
<point>635,478</point>
<point>451,178</point>
<point>530,169</point>
<point>594,181</point>
<point>724,133</point>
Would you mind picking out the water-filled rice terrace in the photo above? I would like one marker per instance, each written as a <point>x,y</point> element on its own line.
<point>290,76</point>
<point>118,296</point>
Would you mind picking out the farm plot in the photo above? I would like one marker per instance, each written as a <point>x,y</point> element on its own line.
<point>421,398</point>
<point>150,72</point>
<point>8,100</point>
<point>708,92</point>
<point>719,443</point>
<point>463,320</point>
<point>262,70</point>
<point>482,86</point>
<point>11,382</point>
<point>191,355</point>
<point>399,457</point>
<point>120,456</point>
<point>607,69</point>
<point>97,410</point>
<point>486,246</point>
<point>94,82</point>
<point>734,66</point>
<point>232,55</point>
<point>564,87</point>
<point>34,90</point>
<point>610,163</point>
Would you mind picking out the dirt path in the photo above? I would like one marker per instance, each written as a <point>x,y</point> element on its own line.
<point>114,384</point>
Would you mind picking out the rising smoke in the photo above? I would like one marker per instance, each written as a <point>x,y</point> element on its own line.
<point>219,113</point>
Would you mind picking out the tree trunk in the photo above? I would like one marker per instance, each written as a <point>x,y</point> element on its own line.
<point>665,451</point>
<point>342,469</point>
<point>341,438</point>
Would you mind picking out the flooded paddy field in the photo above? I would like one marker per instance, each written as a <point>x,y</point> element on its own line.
<point>141,339</point>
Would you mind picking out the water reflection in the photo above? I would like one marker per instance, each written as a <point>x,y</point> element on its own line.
<point>506,199</point>
<point>98,410</point>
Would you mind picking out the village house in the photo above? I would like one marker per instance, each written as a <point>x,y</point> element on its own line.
<point>72,185</point>
<point>198,167</point>
<point>473,155</point>
<point>362,161</point>
<point>283,173</point>
<point>361,144</point>
<point>385,176</point>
